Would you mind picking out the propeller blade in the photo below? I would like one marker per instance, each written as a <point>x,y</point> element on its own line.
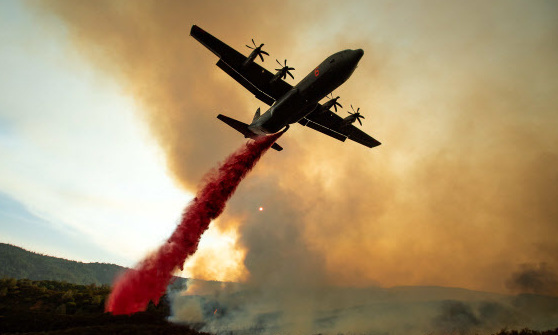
<point>335,106</point>
<point>290,74</point>
<point>259,54</point>
<point>278,62</point>
<point>359,121</point>
<point>263,52</point>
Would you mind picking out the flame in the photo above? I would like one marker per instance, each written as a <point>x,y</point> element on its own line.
<point>219,256</point>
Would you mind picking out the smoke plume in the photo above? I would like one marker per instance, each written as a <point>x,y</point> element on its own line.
<point>535,279</point>
<point>461,94</point>
<point>148,281</point>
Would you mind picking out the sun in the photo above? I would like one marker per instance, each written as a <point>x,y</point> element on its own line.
<point>261,209</point>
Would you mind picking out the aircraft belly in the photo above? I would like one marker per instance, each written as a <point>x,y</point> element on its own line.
<point>315,89</point>
<point>273,126</point>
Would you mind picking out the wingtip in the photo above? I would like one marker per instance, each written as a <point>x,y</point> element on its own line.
<point>376,144</point>
<point>194,29</point>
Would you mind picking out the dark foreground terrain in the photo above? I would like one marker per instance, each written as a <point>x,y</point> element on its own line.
<point>51,307</point>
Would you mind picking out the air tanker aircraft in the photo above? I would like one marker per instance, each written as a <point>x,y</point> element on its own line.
<point>290,104</point>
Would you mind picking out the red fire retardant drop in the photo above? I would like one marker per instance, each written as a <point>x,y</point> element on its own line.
<point>134,289</point>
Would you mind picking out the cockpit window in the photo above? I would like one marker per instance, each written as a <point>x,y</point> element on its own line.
<point>332,60</point>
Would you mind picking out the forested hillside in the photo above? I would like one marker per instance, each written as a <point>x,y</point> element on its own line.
<point>51,307</point>
<point>16,262</point>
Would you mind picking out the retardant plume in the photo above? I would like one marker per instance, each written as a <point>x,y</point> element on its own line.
<point>148,281</point>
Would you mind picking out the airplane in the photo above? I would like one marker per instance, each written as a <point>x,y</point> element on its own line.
<point>289,104</point>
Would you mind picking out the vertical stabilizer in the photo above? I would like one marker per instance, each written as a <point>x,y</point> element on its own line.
<point>256,116</point>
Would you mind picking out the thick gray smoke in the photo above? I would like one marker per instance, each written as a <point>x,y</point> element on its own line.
<point>403,310</point>
<point>289,290</point>
<point>535,278</point>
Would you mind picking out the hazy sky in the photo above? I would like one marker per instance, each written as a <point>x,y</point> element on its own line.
<point>77,161</point>
<point>107,122</point>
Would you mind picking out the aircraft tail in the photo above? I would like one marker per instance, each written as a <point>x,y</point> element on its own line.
<point>242,128</point>
<point>257,115</point>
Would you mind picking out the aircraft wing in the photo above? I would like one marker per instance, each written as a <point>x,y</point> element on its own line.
<point>332,125</point>
<point>252,76</point>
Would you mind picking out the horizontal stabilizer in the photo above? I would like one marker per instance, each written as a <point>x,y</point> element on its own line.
<point>239,126</point>
<point>277,147</point>
<point>243,129</point>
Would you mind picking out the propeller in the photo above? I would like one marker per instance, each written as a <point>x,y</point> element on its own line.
<point>333,102</point>
<point>258,50</point>
<point>357,116</point>
<point>284,70</point>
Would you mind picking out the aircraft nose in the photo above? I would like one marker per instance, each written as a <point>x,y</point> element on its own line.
<point>359,53</point>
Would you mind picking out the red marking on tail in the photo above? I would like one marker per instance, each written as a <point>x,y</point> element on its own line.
<point>133,290</point>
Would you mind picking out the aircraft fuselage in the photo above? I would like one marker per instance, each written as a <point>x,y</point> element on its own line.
<point>303,98</point>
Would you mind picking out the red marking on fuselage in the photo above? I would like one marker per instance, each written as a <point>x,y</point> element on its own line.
<point>317,71</point>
